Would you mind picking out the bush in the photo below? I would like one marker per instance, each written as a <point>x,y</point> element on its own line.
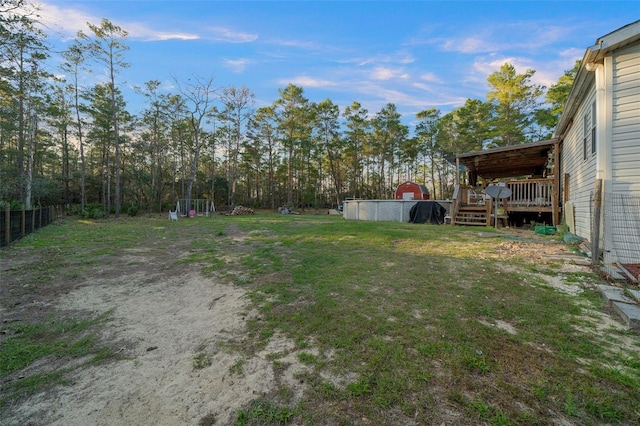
<point>13,205</point>
<point>132,210</point>
<point>93,211</point>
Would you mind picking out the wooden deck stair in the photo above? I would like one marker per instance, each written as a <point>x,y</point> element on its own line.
<point>471,215</point>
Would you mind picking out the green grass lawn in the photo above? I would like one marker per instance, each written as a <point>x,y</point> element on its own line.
<point>399,323</point>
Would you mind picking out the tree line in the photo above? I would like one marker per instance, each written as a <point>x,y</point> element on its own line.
<point>65,142</point>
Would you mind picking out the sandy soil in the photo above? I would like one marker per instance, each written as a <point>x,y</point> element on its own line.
<point>161,322</point>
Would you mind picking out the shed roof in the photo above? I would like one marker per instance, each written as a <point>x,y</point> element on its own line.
<point>512,161</point>
<point>422,188</point>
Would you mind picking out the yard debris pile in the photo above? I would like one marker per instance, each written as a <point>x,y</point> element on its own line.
<point>240,211</point>
<point>287,210</point>
<point>539,250</point>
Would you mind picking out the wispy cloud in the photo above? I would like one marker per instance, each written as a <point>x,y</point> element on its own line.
<point>425,87</point>
<point>402,58</point>
<point>472,44</point>
<point>430,83</point>
<point>227,35</point>
<point>380,94</point>
<point>487,65</point>
<point>437,58</point>
<point>384,73</point>
<point>140,31</point>
<point>237,65</point>
<point>64,21</point>
<point>546,72</point>
<point>306,81</point>
<point>514,36</point>
<point>300,44</point>
<point>573,53</point>
<point>381,73</point>
<point>430,77</point>
<point>67,21</point>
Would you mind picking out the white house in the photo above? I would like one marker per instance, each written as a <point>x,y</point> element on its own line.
<point>599,132</point>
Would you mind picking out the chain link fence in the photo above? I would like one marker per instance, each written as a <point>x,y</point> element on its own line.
<point>622,229</point>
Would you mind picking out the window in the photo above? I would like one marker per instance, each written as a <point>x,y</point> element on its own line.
<point>589,132</point>
<point>593,127</point>
<point>585,136</point>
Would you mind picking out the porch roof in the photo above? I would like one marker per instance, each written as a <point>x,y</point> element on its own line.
<point>512,161</point>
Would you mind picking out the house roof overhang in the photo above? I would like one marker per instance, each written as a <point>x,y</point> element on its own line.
<point>512,161</point>
<point>585,77</point>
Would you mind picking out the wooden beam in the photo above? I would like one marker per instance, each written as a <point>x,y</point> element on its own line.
<point>556,184</point>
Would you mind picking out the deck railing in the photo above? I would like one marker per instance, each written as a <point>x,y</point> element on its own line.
<point>531,193</point>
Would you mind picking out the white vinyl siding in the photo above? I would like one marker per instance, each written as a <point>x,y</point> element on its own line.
<point>582,173</point>
<point>612,81</point>
<point>624,222</point>
<point>626,121</point>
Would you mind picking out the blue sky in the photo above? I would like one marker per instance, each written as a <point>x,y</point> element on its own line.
<point>415,54</point>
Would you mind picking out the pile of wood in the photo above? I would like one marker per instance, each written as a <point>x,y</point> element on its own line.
<point>286,210</point>
<point>239,211</point>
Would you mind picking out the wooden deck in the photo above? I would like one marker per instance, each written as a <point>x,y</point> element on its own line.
<point>530,195</point>
<point>531,171</point>
<point>472,206</point>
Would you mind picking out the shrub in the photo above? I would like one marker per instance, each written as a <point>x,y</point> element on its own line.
<point>93,211</point>
<point>13,205</point>
<point>132,210</point>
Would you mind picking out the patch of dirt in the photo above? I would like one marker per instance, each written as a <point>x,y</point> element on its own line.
<point>166,324</point>
<point>501,325</point>
<point>163,317</point>
<point>533,251</point>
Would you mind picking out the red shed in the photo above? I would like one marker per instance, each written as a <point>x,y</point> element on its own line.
<point>412,191</point>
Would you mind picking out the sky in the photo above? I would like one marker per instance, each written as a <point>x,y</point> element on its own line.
<point>414,54</point>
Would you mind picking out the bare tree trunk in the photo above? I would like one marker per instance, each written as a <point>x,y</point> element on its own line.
<point>116,143</point>
<point>194,165</point>
<point>32,148</point>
